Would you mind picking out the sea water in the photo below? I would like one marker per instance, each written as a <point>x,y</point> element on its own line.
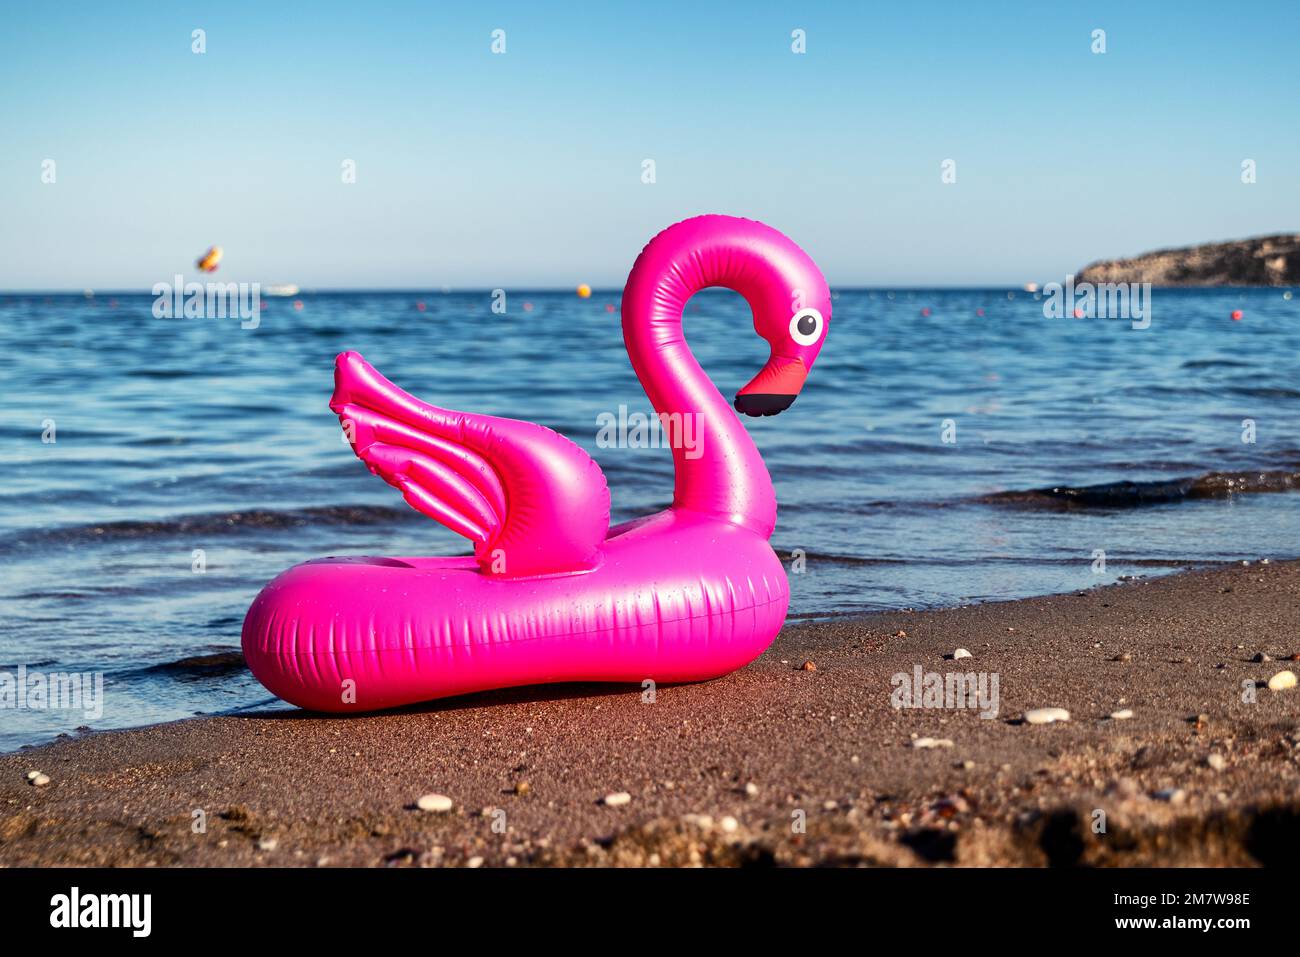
<point>950,446</point>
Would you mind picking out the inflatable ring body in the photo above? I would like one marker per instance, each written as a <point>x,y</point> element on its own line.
<point>551,593</point>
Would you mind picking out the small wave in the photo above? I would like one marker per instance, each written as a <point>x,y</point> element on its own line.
<point>1215,364</point>
<point>160,373</point>
<point>54,595</point>
<point>788,554</point>
<point>218,523</point>
<point>1119,560</point>
<point>152,441</point>
<point>1263,392</point>
<point>86,592</point>
<point>199,666</point>
<point>1211,485</point>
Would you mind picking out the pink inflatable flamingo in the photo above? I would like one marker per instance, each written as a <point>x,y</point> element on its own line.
<point>551,592</point>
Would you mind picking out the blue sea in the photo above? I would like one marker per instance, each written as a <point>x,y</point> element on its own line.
<point>950,447</point>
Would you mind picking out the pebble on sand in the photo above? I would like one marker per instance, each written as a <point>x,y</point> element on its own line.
<point>37,779</point>
<point>932,743</point>
<point>434,803</point>
<point>1046,715</point>
<point>1172,795</point>
<point>808,666</point>
<point>960,653</point>
<point>1281,681</point>
<point>617,799</point>
<point>1216,762</point>
<point>1261,657</point>
<point>1123,714</point>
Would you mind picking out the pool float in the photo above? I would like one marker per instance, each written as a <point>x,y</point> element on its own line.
<point>552,593</point>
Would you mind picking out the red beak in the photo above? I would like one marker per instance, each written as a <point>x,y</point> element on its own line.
<point>775,387</point>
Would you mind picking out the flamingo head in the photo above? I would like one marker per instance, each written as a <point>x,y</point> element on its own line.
<point>795,328</point>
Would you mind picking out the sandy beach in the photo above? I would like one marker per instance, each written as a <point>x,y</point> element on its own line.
<point>773,764</point>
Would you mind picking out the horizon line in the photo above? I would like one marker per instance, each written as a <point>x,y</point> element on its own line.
<point>571,290</point>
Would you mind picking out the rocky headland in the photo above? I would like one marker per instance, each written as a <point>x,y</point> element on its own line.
<point>1262,261</point>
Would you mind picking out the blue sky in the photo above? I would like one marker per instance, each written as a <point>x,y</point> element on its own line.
<point>524,169</point>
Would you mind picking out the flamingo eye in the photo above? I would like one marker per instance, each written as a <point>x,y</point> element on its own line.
<point>806,326</point>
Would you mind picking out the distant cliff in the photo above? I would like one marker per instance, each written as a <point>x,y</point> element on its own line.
<point>1263,261</point>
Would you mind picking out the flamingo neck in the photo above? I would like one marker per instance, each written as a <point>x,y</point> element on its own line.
<point>719,472</point>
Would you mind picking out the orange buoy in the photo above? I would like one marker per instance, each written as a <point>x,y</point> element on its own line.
<point>925,311</point>
<point>209,260</point>
<point>1237,315</point>
<point>584,291</point>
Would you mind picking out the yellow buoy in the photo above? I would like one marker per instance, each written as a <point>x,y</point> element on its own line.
<point>584,291</point>
<point>208,261</point>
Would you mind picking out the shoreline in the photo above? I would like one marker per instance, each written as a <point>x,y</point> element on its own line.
<point>725,772</point>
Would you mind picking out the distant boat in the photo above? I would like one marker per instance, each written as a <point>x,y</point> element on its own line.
<point>280,289</point>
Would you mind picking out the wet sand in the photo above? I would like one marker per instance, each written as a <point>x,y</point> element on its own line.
<point>726,772</point>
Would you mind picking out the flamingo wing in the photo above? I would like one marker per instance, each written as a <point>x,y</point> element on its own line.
<point>531,501</point>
